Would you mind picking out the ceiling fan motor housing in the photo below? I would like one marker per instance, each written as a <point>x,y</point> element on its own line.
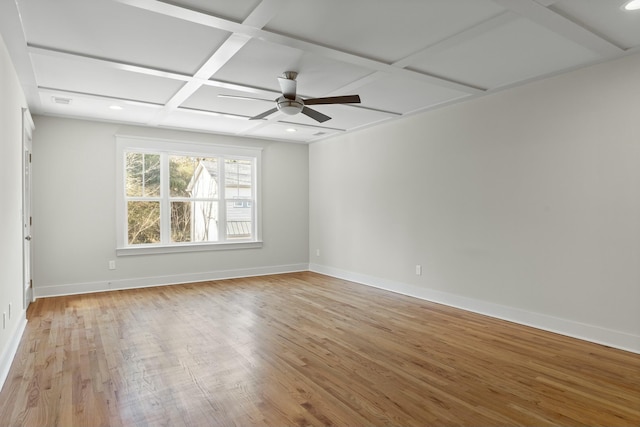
<point>290,106</point>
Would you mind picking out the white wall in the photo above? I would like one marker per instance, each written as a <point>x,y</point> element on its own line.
<point>524,204</point>
<point>11,103</point>
<point>74,227</point>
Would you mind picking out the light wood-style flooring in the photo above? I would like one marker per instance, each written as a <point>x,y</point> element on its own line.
<point>302,349</point>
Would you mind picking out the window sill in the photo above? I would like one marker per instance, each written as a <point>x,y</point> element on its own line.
<point>201,247</point>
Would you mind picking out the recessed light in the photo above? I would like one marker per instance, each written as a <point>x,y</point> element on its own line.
<point>632,5</point>
<point>115,107</point>
<point>292,130</point>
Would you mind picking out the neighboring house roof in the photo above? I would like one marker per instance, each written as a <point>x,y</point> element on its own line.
<point>241,177</point>
<point>238,228</point>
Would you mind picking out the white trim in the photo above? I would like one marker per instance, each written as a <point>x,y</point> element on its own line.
<point>182,145</point>
<point>586,332</point>
<point>144,282</point>
<point>193,247</point>
<point>6,359</point>
<point>168,146</point>
<point>28,127</point>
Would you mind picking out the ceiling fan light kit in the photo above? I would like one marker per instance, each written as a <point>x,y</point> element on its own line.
<point>291,104</point>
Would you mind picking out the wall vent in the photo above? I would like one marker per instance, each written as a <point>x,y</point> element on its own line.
<point>61,100</point>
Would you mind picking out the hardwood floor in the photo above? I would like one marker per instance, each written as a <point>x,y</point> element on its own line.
<point>302,349</point>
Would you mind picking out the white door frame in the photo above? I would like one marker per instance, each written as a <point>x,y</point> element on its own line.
<point>27,252</point>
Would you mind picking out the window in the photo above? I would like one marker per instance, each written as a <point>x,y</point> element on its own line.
<point>175,196</point>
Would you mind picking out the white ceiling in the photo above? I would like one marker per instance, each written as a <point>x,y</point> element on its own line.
<point>166,62</point>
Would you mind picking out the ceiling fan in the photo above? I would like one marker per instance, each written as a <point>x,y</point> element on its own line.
<point>290,103</point>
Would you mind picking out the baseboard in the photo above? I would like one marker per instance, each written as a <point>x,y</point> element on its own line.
<point>592,333</point>
<point>10,350</point>
<point>28,299</point>
<point>143,282</point>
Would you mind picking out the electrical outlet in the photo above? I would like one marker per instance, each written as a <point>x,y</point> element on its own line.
<point>317,252</point>
<point>112,265</point>
<point>418,270</point>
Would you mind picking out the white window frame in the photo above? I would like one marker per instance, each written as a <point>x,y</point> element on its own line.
<point>165,148</point>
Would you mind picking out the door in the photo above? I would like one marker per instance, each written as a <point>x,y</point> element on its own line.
<point>27,130</point>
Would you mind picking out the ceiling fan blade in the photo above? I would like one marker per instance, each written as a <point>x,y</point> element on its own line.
<point>348,99</point>
<point>248,98</point>
<point>315,115</point>
<point>288,87</point>
<point>263,115</point>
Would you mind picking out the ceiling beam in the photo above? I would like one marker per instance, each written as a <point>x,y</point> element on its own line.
<point>116,65</point>
<point>12,32</point>
<point>259,17</point>
<point>264,12</point>
<point>468,34</point>
<point>456,39</point>
<point>228,49</point>
<point>305,46</point>
<point>547,3</point>
<point>562,26</point>
<point>73,94</point>
<point>102,62</point>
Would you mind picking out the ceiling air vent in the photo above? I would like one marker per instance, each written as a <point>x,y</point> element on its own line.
<point>319,133</point>
<point>60,100</point>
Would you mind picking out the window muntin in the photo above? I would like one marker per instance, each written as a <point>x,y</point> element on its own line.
<point>176,195</point>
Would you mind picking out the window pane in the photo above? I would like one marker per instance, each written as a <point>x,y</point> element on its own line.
<point>239,216</point>
<point>180,221</point>
<point>143,174</point>
<point>204,221</point>
<point>173,194</point>
<point>144,222</point>
<point>238,178</point>
<point>193,176</point>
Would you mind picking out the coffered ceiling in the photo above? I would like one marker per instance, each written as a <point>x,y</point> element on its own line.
<point>176,64</point>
